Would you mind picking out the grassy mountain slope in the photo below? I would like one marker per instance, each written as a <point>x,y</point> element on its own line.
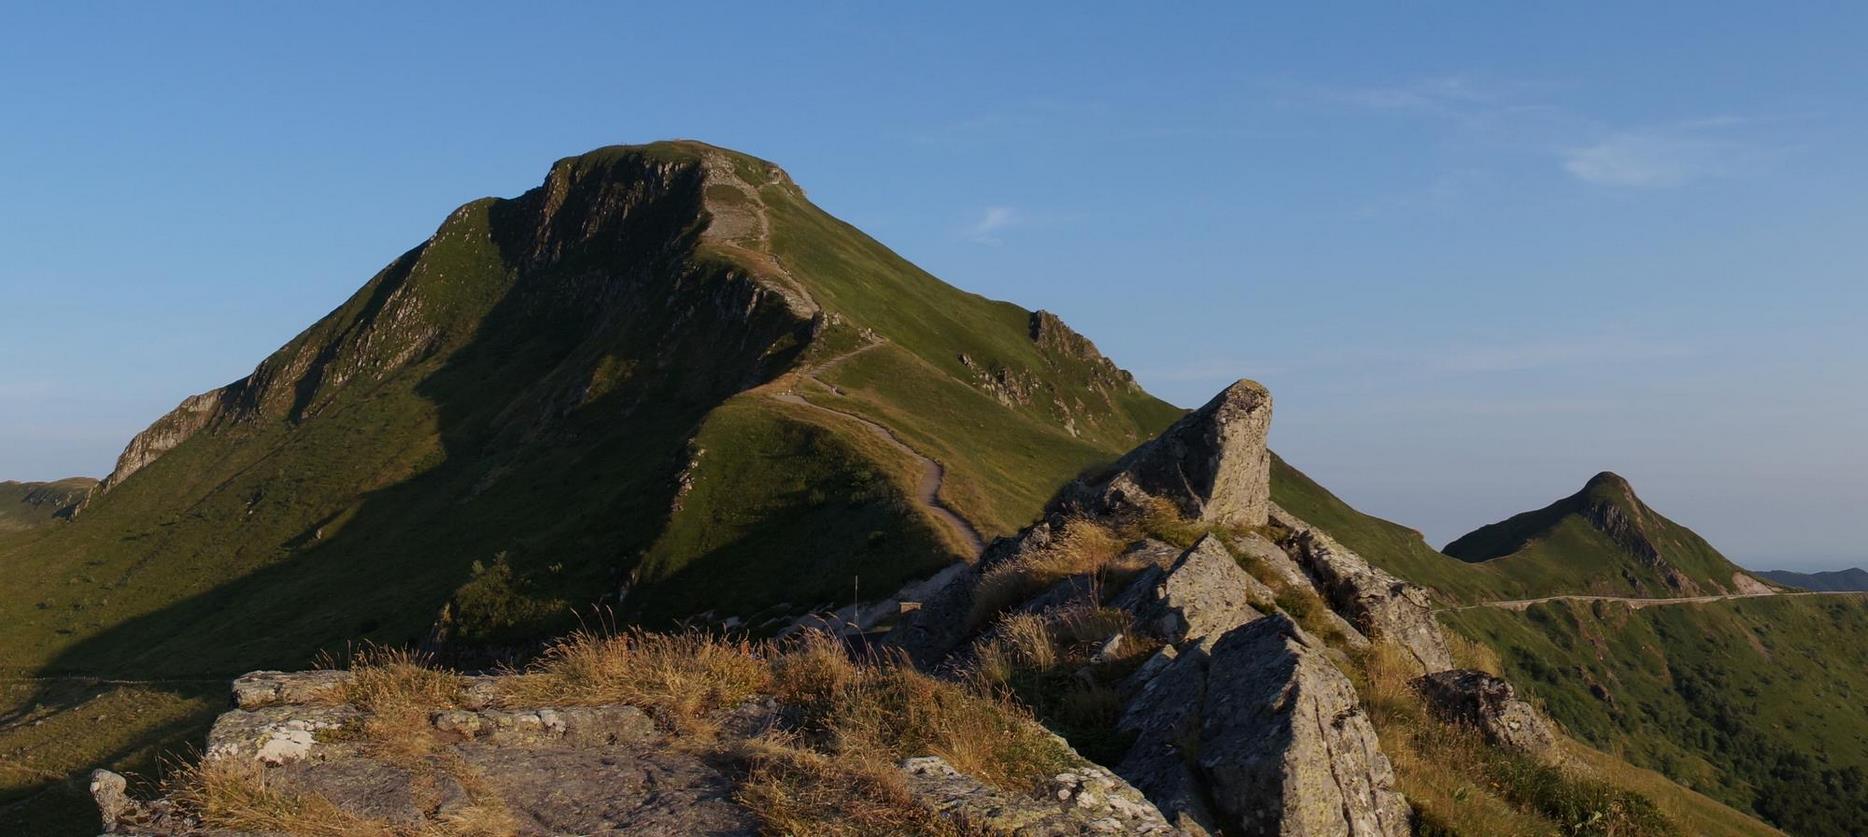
<point>1391,546</point>
<point>1854,578</point>
<point>1602,540</point>
<point>1755,702</point>
<point>578,396</point>
<point>25,505</point>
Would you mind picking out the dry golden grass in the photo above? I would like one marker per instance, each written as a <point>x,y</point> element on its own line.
<point>238,795</point>
<point>884,709</point>
<point>1079,547</point>
<point>796,790</point>
<point>683,679</point>
<point>1460,784</point>
<point>1468,653</point>
<point>400,691</point>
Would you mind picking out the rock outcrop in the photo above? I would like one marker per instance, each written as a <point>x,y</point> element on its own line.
<point>1088,800</point>
<point>1212,465</point>
<point>1381,606</point>
<point>1490,705</point>
<point>574,769</point>
<point>1285,745</point>
<point>1203,594</point>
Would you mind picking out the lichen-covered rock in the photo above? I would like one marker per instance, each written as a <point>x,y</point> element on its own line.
<point>275,735</point>
<point>1490,705</point>
<point>110,792</point>
<point>1204,593</point>
<point>1285,746</point>
<point>1084,800</point>
<point>1212,464</point>
<point>1381,606</point>
<point>265,688</point>
<point>1257,548</point>
<point>1164,717</point>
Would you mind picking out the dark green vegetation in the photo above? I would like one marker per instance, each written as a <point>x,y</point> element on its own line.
<point>25,505</point>
<point>1755,702</point>
<point>1601,540</point>
<point>1854,578</point>
<point>557,398</point>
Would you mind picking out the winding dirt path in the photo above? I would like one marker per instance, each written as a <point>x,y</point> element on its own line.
<point>1638,603</point>
<point>933,474</point>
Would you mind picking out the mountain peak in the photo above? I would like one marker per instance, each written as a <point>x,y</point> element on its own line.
<point>1606,539</point>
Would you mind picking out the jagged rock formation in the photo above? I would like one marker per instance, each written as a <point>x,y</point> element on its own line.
<point>1240,722</point>
<point>1204,593</point>
<point>1212,465</point>
<point>1380,606</point>
<point>1491,706</point>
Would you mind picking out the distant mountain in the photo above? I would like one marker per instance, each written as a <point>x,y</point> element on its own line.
<point>1835,581</point>
<point>24,505</point>
<point>1602,540</point>
<point>663,381</point>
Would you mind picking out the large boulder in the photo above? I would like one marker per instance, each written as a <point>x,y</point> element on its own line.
<point>1284,743</point>
<point>1163,716</point>
<point>1212,465</point>
<point>1203,593</point>
<point>1490,705</point>
<point>1381,606</point>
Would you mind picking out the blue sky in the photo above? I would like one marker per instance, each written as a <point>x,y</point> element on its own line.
<point>1478,251</point>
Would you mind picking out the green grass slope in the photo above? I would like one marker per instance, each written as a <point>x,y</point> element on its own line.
<point>28,505</point>
<point>561,400</point>
<point>1602,541</point>
<point>1755,702</point>
<point>1391,546</point>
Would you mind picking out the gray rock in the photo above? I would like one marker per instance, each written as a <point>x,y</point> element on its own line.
<point>1383,607</point>
<point>1205,593</point>
<point>1259,549</point>
<point>1285,746</point>
<point>1164,716</point>
<point>1490,705</point>
<point>265,688</point>
<point>275,735</point>
<point>1212,464</point>
<point>110,792</point>
<point>1083,800</point>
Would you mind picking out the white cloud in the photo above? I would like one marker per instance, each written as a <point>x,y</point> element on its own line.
<point>992,221</point>
<point>1653,159</point>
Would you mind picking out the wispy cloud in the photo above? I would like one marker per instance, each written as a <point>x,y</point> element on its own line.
<point>1656,159</point>
<point>992,221</point>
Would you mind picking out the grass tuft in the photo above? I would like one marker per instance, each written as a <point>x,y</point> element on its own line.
<point>683,679</point>
<point>1079,547</point>
<point>241,796</point>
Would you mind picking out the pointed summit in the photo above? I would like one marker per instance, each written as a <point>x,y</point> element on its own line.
<point>1603,539</point>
